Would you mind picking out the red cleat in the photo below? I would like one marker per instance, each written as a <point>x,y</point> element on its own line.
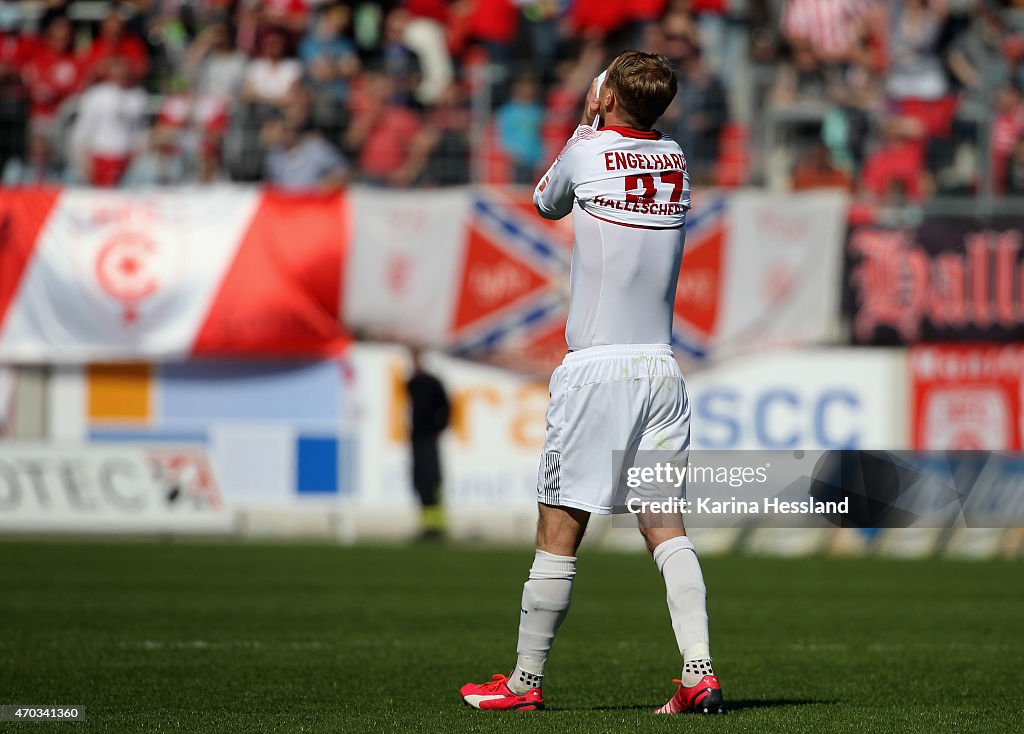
<point>497,696</point>
<point>703,698</point>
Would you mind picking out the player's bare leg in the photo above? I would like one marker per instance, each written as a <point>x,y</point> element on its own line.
<point>673,552</point>
<point>546,597</point>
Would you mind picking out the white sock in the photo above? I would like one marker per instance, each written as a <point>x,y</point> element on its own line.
<point>546,597</point>
<point>687,605</point>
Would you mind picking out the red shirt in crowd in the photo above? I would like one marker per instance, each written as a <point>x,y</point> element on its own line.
<point>433,9</point>
<point>647,9</point>
<point>127,47</point>
<point>709,6</point>
<point>600,16</point>
<point>386,145</point>
<point>50,77</point>
<point>15,50</point>
<point>493,20</point>
<point>896,163</point>
<point>1007,129</point>
<point>291,11</point>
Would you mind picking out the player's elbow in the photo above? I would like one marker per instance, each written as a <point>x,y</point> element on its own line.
<point>546,211</point>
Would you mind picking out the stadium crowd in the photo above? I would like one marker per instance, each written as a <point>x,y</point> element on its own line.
<point>895,100</point>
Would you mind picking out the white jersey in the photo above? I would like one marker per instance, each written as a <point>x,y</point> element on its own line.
<point>629,193</point>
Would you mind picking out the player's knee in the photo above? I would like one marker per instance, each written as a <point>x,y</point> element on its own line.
<point>654,537</point>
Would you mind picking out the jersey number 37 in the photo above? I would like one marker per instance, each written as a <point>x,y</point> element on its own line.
<point>641,187</point>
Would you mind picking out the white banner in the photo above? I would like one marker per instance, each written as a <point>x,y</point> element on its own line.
<point>110,488</point>
<point>402,274</point>
<point>7,378</point>
<point>803,399</point>
<point>782,270</point>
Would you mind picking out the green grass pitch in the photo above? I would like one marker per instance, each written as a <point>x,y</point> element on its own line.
<point>194,637</point>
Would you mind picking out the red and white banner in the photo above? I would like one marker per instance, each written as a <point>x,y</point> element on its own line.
<point>104,275</point>
<point>400,280</point>
<point>967,397</point>
<point>782,279</point>
<point>232,272</point>
<point>481,274</point>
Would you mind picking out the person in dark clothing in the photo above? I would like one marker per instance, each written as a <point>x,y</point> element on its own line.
<point>429,415</point>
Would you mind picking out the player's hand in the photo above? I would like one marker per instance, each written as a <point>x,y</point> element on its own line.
<point>591,106</point>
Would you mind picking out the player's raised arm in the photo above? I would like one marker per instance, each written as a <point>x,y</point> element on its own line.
<point>555,193</point>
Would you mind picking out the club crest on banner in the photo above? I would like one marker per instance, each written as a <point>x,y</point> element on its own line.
<point>125,270</point>
<point>127,252</point>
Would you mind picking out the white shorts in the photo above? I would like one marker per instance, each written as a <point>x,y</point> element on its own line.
<point>608,403</point>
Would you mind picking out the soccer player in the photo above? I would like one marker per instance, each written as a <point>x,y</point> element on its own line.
<point>619,389</point>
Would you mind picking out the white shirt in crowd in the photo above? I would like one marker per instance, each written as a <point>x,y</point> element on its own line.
<point>272,79</point>
<point>110,121</point>
<point>628,191</point>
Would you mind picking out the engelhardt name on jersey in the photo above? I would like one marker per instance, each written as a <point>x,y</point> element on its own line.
<point>632,177</point>
<point>629,192</point>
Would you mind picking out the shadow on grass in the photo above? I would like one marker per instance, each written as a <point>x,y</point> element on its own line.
<point>730,705</point>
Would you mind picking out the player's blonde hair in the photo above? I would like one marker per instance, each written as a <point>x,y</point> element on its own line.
<point>644,85</point>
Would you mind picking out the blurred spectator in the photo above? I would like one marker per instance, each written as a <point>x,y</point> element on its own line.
<point>424,35</point>
<point>292,15</point>
<point>572,80</point>
<point>801,78</point>
<point>401,63</point>
<point>114,40</point>
<point>978,63</point>
<point>598,18</point>
<point>393,146</point>
<point>269,77</point>
<point>827,29</point>
<point>161,162</point>
<point>815,170</point>
<point>52,74</point>
<point>832,68</point>
<point>858,95</point>
<point>519,124</point>
<point>493,25</point>
<point>247,27</point>
<point>894,172</point>
<point>330,60</point>
<point>110,125</point>
<point>915,67</point>
<point>39,166</point>
<point>711,25</point>
<point>540,20</point>
<point>184,143</point>
<point>1015,170</point>
<point>702,113</point>
<point>447,136</point>
<point>214,67</point>
<point>299,159</point>
<point>15,46</point>
<point>15,49</point>
<point>678,34</point>
<point>1007,128</point>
